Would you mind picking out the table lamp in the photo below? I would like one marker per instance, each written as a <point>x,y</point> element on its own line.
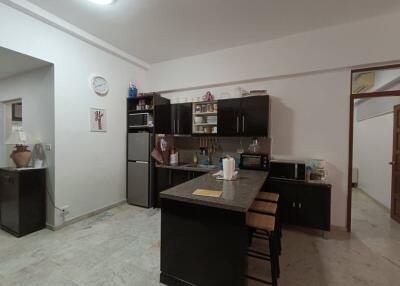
<point>21,155</point>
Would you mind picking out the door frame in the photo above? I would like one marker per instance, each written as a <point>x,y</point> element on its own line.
<point>353,97</point>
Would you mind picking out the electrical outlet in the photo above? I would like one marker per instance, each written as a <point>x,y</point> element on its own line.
<point>64,210</point>
<point>48,147</point>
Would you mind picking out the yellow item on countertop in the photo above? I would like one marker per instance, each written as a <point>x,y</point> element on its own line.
<point>207,193</point>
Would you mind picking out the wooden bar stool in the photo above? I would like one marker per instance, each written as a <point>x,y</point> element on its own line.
<point>268,197</point>
<point>264,207</point>
<point>266,223</point>
<point>269,209</point>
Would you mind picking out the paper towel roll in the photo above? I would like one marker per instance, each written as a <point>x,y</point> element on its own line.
<point>228,166</point>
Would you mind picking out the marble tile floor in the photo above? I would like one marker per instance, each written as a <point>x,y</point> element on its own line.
<point>369,256</point>
<point>122,247</point>
<point>118,247</point>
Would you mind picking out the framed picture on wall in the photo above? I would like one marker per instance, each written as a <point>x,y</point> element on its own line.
<point>16,111</point>
<point>98,120</point>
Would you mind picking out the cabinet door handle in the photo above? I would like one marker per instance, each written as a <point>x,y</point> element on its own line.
<point>178,126</point>
<point>243,123</point>
<point>294,205</point>
<point>299,205</point>
<point>174,125</point>
<point>237,124</point>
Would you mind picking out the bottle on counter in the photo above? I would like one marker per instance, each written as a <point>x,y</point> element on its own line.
<point>174,157</point>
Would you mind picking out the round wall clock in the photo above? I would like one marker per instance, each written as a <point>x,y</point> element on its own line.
<point>100,85</point>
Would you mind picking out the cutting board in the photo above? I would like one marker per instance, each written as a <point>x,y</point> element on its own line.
<point>207,193</point>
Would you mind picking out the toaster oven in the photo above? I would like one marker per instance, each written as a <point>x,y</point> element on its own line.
<point>254,161</point>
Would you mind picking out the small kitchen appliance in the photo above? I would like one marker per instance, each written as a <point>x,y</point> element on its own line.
<point>254,161</point>
<point>288,170</point>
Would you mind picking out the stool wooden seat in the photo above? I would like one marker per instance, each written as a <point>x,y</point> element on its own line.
<point>269,197</point>
<point>260,221</point>
<point>264,207</point>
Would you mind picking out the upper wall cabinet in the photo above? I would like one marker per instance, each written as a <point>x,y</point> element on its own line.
<point>181,118</point>
<point>247,116</point>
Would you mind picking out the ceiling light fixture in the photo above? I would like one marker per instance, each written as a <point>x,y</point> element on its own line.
<point>102,2</point>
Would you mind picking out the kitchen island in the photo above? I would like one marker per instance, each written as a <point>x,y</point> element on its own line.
<point>204,239</point>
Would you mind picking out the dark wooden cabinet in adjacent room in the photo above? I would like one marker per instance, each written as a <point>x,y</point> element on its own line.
<point>302,203</point>
<point>181,119</point>
<point>22,200</point>
<point>247,116</point>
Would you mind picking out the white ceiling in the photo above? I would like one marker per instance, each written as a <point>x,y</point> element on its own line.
<point>13,63</point>
<point>159,30</point>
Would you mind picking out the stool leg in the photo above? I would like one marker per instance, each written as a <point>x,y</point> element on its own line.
<point>272,249</point>
<point>278,239</point>
<point>279,235</point>
<point>250,233</point>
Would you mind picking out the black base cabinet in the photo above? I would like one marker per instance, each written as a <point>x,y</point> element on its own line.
<point>303,204</point>
<point>168,178</point>
<point>22,200</point>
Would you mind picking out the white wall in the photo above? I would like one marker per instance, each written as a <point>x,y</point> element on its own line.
<point>36,89</point>
<point>89,167</point>
<point>335,47</point>
<point>373,147</point>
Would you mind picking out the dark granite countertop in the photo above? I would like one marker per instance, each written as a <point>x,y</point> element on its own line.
<point>236,195</point>
<point>186,167</point>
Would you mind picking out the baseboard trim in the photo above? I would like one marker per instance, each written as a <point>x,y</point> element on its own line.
<point>372,198</point>
<point>84,216</point>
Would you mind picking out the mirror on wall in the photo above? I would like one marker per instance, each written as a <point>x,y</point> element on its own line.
<point>376,80</point>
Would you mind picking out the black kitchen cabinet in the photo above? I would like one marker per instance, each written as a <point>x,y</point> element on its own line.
<point>162,119</point>
<point>22,200</point>
<point>303,204</point>
<point>229,117</point>
<point>168,178</point>
<point>247,116</point>
<point>181,119</point>
<point>254,115</point>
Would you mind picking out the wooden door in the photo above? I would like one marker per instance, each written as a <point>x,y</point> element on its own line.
<point>395,209</point>
<point>254,116</point>
<point>229,117</point>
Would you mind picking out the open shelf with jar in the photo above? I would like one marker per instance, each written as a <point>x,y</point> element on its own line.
<point>205,117</point>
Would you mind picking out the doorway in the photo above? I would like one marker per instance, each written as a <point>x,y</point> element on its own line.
<point>372,187</point>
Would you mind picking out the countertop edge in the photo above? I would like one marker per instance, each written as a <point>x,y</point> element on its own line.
<point>185,168</point>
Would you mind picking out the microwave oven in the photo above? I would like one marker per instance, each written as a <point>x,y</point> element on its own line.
<point>140,120</point>
<point>288,170</point>
<point>254,161</point>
